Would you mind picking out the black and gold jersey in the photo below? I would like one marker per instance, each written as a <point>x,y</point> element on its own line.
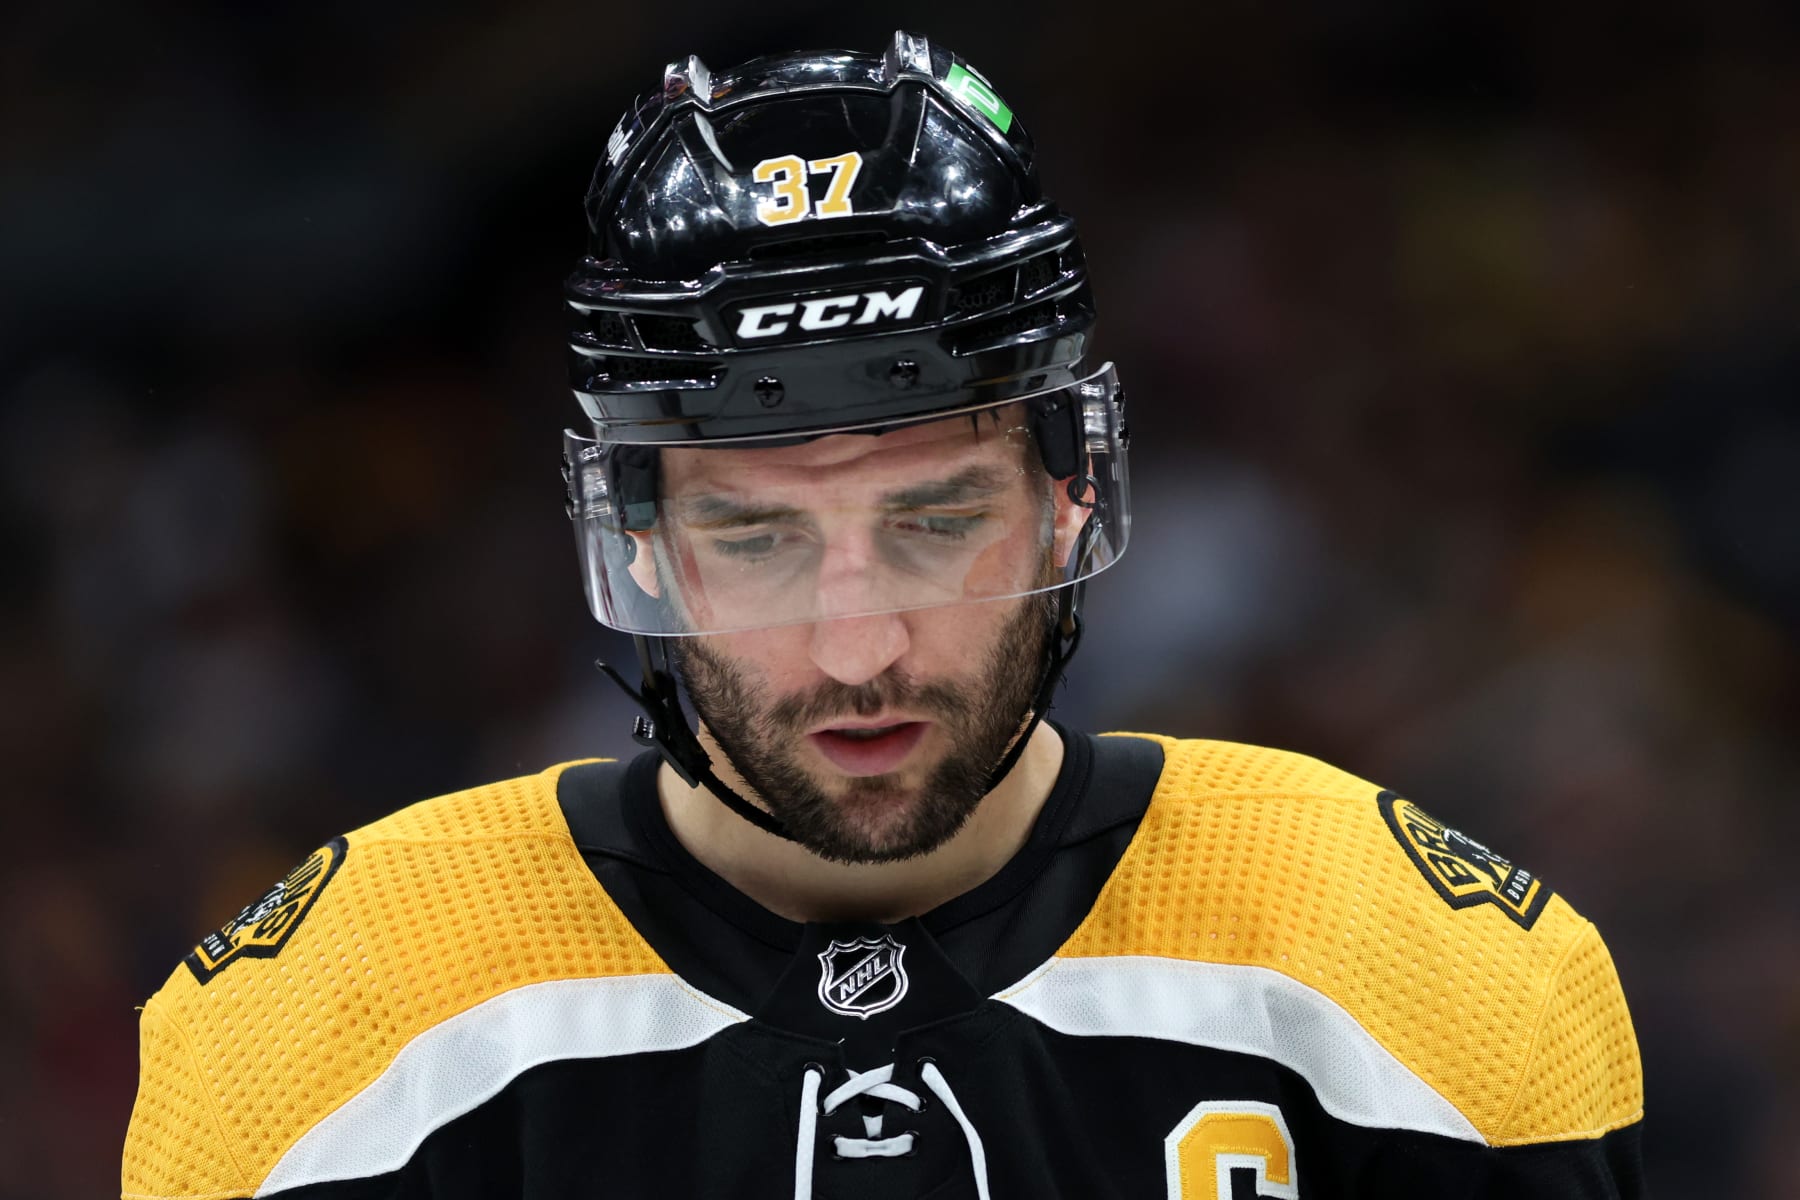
<point>1213,971</point>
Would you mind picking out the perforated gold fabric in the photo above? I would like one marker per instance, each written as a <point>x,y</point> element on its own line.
<point>1267,858</point>
<point>435,909</point>
<point>175,1134</point>
<point>1584,1067</point>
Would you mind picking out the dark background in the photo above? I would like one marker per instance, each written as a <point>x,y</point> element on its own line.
<point>1461,340</point>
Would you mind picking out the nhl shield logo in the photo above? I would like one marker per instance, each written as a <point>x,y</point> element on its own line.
<point>862,977</point>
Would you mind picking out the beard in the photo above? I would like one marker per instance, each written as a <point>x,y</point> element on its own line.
<point>875,818</point>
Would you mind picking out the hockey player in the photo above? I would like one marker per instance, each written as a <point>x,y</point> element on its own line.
<point>871,927</point>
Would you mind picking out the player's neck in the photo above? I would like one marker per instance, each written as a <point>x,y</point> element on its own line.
<point>791,881</point>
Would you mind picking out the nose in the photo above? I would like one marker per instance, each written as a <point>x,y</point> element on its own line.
<point>862,642</point>
<point>854,650</point>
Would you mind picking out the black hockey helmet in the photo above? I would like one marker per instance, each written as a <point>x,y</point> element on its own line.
<point>809,245</point>
<point>817,240</point>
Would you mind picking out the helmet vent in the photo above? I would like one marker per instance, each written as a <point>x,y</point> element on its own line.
<point>982,295</point>
<point>669,333</point>
<point>604,329</point>
<point>986,334</point>
<point>1038,273</point>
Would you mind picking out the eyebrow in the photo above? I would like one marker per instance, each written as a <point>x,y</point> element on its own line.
<point>709,511</point>
<point>717,512</point>
<point>970,483</point>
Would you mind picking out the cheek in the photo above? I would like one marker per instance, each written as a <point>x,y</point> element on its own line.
<point>772,661</point>
<point>955,641</point>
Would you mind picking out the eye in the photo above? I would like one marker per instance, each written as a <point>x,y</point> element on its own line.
<point>759,546</point>
<point>941,526</point>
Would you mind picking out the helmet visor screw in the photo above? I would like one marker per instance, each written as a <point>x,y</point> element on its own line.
<point>904,373</point>
<point>769,391</point>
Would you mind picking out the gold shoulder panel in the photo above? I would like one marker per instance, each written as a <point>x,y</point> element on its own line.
<point>1584,1076</point>
<point>177,1145</point>
<point>431,911</point>
<point>1271,859</point>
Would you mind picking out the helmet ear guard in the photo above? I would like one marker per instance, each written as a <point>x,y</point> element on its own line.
<point>633,471</point>
<point>1057,428</point>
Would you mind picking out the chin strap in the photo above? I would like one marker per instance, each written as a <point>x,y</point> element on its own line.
<point>1057,653</point>
<point>664,725</point>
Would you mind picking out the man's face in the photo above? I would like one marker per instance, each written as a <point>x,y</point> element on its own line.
<point>870,734</point>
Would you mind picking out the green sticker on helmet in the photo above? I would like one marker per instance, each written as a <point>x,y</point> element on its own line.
<point>974,91</point>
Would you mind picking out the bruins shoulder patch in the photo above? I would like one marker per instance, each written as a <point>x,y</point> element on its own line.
<point>1462,870</point>
<point>265,925</point>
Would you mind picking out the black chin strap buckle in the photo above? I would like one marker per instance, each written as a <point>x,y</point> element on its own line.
<point>671,734</point>
<point>643,732</point>
<point>652,728</point>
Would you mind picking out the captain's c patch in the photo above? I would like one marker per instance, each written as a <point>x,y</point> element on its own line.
<point>1462,870</point>
<point>265,925</point>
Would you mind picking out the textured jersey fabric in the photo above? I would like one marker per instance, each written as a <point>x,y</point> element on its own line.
<point>1265,977</point>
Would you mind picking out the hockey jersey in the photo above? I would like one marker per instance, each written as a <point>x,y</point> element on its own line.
<point>1214,971</point>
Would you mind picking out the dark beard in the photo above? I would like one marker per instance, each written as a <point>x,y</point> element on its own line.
<point>980,721</point>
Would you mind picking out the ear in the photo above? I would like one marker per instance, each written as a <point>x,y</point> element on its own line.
<point>643,562</point>
<point>1070,519</point>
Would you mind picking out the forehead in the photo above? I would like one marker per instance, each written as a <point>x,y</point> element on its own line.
<point>928,451</point>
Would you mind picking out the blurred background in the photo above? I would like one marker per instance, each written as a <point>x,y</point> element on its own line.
<point>1461,342</point>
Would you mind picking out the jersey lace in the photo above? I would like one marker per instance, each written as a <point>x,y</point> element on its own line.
<point>879,1084</point>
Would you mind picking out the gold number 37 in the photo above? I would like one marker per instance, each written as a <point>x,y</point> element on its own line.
<point>791,200</point>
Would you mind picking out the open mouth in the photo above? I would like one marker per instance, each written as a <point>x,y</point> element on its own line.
<point>867,735</point>
<point>869,750</point>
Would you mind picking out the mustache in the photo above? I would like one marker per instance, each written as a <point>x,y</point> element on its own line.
<point>893,690</point>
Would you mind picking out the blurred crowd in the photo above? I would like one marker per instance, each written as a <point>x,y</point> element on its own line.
<point>1462,353</point>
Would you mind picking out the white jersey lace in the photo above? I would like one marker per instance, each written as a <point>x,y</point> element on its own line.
<point>880,1084</point>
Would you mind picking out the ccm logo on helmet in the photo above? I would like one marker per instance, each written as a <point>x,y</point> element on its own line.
<point>828,312</point>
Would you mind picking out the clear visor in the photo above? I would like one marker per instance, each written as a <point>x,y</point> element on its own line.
<point>681,539</point>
